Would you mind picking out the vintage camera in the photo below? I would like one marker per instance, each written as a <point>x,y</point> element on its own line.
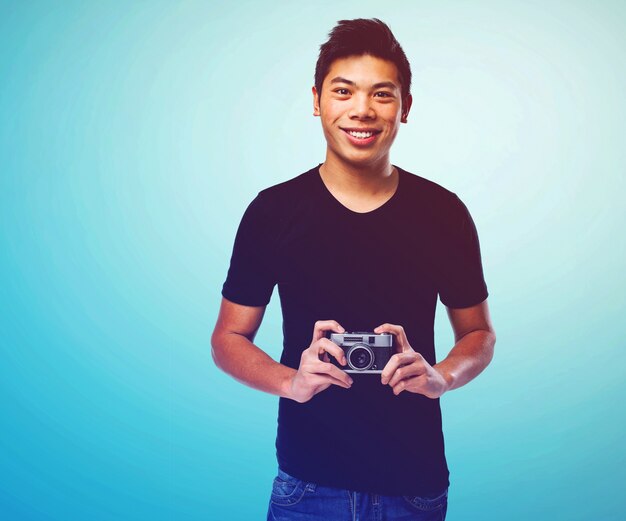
<point>365,352</point>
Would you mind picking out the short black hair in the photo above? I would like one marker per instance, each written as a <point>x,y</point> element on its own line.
<point>358,37</point>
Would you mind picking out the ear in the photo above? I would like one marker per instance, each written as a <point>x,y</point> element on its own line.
<point>316,102</point>
<point>406,107</point>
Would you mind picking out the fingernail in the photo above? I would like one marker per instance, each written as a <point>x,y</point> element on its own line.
<point>351,382</point>
<point>344,361</point>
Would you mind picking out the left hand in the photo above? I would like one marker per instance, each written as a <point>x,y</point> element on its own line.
<point>407,370</point>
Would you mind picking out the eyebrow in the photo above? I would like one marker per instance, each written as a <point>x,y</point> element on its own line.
<point>380,85</point>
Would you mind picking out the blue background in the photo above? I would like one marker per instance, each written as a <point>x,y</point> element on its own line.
<point>133,136</point>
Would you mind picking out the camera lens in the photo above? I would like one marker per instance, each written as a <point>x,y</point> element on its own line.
<point>360,357</point>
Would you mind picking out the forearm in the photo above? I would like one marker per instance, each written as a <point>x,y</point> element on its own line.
<point>467,359</point>
<point>240,358</point>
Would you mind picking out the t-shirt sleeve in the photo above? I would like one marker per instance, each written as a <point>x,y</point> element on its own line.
<point>461,279</point>
<point>251,278</point>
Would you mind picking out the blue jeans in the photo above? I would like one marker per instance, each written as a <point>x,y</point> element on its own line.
<point>296,500</point>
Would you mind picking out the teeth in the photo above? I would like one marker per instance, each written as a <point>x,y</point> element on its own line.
<point>361,135</point>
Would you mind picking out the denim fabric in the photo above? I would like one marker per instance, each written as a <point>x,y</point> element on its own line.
<point>296,500</point>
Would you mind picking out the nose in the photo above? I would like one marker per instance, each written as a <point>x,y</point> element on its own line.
<point>361,107</point>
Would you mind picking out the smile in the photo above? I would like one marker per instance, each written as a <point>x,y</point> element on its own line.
<point>361,137</point>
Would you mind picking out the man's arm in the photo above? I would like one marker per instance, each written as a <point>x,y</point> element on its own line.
<point>235,354</point>
<point>473,350</point>
<point>475,339</point>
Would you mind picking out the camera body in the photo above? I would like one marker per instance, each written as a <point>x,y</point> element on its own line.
<point>365,352</point>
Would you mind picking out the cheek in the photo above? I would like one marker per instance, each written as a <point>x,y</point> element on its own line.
<point>393,121</point>
<point>332,111</point>
<point>329,132</point>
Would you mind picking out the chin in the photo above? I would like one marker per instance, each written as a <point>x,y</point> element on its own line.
<point>362,160</point>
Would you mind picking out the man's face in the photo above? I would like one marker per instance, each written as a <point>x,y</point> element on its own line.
<point>360,109</point>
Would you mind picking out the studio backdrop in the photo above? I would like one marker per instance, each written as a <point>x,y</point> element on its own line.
<point>132,137</point>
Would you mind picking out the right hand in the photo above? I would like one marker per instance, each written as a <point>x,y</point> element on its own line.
<point>316,373</point>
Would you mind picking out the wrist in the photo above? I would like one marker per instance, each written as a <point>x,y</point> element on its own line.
<point>447,378</point>
<point>286,386</point>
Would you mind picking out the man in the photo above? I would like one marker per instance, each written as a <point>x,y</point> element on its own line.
<point>357,244</point>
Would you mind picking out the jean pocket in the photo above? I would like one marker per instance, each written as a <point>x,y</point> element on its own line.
<point>425,503</point>
<point>287,490</point>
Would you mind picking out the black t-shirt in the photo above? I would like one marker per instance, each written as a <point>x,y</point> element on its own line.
<point>362,270</point>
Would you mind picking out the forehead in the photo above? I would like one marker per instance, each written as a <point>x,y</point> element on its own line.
<point>363,70</point>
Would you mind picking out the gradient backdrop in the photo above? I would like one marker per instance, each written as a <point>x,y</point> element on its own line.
<point>132,137</point>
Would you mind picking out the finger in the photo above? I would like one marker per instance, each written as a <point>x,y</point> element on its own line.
<point>397,331</point>
<point>321,326</point>
<point>414,384</point>
<point>406,372</point>
<point>322,378</point>
<point>397,360</point>
<point>399,387</point>
<point>324,345</point>
<point>333,371</point>
<point>326,380</point>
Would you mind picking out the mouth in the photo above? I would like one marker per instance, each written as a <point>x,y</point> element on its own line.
<point>361,136</point>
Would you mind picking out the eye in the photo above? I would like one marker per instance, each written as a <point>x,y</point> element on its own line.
<point>383,94</point>
<point>342,92</point>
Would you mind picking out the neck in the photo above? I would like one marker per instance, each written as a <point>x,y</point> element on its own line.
<point>370,179</point>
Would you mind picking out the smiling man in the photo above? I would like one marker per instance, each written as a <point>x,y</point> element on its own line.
<point>357,244</point>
